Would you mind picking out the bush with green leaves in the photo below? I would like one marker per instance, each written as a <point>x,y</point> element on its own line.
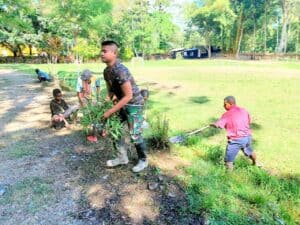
<point>159,138</point>
<point>93,117</point>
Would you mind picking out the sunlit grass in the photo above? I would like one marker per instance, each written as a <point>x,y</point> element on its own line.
<point>190,94</point>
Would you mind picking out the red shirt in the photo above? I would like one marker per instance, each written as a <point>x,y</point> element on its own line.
<point>236,121</point>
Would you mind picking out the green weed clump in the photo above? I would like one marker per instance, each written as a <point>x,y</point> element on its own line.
<point>23,149</point>
<point>159,139</point>
<point>92,118</point>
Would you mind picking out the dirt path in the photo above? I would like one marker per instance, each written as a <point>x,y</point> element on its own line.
<point>55,177</point>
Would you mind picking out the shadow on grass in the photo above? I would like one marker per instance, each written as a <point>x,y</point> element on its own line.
<point>34,155</point>
<point>17,106</point>
<point>123,197</point>
<point>199,99</point>
<point>210,132</point>
<point>110,196</point>
<point>153,92</point>
<point>255,126</point>
<point>120,195</point>
<point>148,84</point>
<point>21,68</point>
<point>170,94</point>
<point>150,104</point>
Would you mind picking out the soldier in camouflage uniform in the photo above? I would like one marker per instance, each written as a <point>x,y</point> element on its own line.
<point>121,84</point>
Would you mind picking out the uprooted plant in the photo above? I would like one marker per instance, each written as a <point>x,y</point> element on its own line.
<point>92,120</point>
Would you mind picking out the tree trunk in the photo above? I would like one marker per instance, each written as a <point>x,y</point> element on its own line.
<point>265,29</point>
<point>209,51</point>
<point>254,38</point>
<point>134,50</point>
<point>239,43</point>
<point>208,44</point>
<point>222,38</point>
<point>283,39</point>
<point>288,28</point>
<point>297,44</point>
<point>30,50</point>
<point>277,34</point>
<point>20,50</point>
<point>76,56</point>
<point>11,48</point>
<point>282,43</point>
<point>239,35</point>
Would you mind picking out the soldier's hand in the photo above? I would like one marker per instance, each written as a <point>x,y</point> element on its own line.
<point>107,98</point>
<point>107,114</point>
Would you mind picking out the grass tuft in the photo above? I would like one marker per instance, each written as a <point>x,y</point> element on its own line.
<point>20,150</point>
<point>159,137</point>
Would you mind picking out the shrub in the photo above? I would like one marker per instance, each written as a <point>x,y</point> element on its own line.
<point>159,138</point>
<point>193,141</point>
<point>215,154</point>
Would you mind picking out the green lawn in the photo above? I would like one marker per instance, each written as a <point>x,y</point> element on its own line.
<point>190,94</point>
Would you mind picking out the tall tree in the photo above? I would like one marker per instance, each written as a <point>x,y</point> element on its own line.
<point>248,13</point>
<point>211,19</point>
<point>144,27</point>
<point>16,28</point>
<point>72,20</point>
<point>290,13</point>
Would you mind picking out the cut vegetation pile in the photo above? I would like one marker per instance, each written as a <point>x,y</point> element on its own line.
<point>92,120</point>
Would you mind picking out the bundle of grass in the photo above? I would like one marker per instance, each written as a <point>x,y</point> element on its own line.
<point>158,139</point>
<point>92,120</point>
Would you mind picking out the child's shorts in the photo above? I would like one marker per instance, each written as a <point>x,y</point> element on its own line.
<point>234,146</point>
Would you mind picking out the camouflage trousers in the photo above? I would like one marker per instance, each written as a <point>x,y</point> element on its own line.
<point>133,115</point>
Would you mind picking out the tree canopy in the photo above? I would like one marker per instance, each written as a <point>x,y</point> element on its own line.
<point>247,25</point>
<point>143,27</point>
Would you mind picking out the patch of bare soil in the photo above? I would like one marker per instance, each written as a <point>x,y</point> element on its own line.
<point>56,177</point>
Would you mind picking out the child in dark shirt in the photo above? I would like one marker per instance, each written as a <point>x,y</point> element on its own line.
<point>60,110</point>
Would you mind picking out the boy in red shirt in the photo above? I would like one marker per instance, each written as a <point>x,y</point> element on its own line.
<point>236,121</point>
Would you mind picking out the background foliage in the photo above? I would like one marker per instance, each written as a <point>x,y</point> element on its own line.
<point>142,27</point>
